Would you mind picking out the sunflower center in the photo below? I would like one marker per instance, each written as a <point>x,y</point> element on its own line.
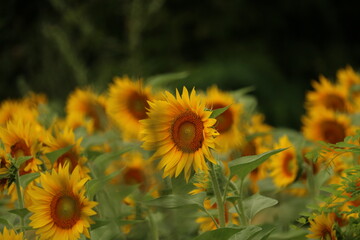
<point>249,149</point>
<point>20,149</point>
<point>3,181</point>
<point>335,102</point>
<point>95,111</point>
<point>224,120</point>
<point>332,131</point>
<point>137,105</point>
<point>68,158</point>
<point>65,211</point>
<point>134,175</point>
<point>187,132</point>
<point>287,164</point>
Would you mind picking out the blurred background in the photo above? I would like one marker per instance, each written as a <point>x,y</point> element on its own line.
<point>277,47</point>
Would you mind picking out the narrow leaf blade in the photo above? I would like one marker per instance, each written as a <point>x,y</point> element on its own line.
<point>21,160</point>
<point>27,178</point>
<point>21,212</point>
<point>53,156</point>
<point>217,112</point>
<point>218,234</point>
<point>246,233</point>
<point>244,165</point>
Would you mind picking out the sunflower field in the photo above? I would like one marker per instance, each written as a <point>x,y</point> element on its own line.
<point>144,161</point>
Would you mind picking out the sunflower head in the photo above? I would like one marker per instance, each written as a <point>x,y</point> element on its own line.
<point>14,110</point>
<point>329,95</point>
<point>61,138</point>
<point>135,170</point>
<point>322,227</point>
<point>347,76</point>
<point>5,165</point>
<point>86,109</point>
<point>284,165</point>
<point>228,123</point>
<point>59,206</point>
<point>322,124</point>
<point>10,235</point>
<point>128,103</point>
<point>181,132</point>
<point>20,139</point>
<point>33,100</point>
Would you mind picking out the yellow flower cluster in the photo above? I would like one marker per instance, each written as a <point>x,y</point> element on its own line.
<point>59,167</point>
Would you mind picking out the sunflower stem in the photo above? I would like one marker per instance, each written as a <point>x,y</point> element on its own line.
<point>20,197</point>
<point>220,203</point>
<point>153,226</point>
<point>225,188</point>
<point>243,219</point>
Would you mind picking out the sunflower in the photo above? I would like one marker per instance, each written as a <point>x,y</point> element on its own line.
<point>10,235</point>
<point>202,183</point>
<point>284,165</point>
<point>33,100</point>
<point>4,169</point>
<point>228,123</point>
<point>329,95</point>
<point>19,138</point>
<point>86,109</point>
<point>60,208</point>
<point>322,227</point>
<point>348,77</point>
<point>181,132</point>
<point>11,109</point>
<point>207,224</point>
<point>258,135</point>
<point>128,103</point>
<point>322,124</point>
<point>259,140</point>
<point>63,138</point>
<point>135,170</point>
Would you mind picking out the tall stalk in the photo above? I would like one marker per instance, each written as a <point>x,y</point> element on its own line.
<point>219,201</point>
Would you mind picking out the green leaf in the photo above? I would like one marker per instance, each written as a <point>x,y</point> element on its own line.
<point>21,212</point>
<point>97,139</point>
<point>27,178</point>
<point>256,203</point>
<point>330,189</point>
<point>53,156</point>
<point>346,145</point>
<point>6,175</point>
<point>3,221</point>
<point>99,223</point>
<point>242,91</point>
<point>95,185</point>
<point>267,229</point>
<point>176,201</point>
<point>218,234</point>
<point>180,186</point>
<point>233,199</point>
<point>126,190</point>
<point>103,160</point>
<point>20,160</point>
<point>121,222</point>
<point>246,233</point>
<point>291,235</point>
<point>244,165</point>
<point>217,112</point>
<point>302,220</point>
<point>164,79</point>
